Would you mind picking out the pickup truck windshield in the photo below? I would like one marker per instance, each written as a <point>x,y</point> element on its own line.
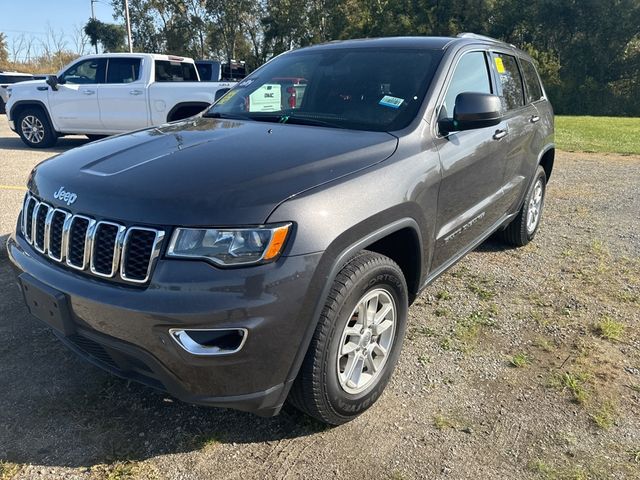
<point>355,88</point>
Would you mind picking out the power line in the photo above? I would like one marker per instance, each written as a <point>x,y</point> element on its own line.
<point>21,31</point>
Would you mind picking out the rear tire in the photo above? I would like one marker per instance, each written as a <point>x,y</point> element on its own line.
<point>524,227</point>
<point>34,128</point>
<point>346,367</point>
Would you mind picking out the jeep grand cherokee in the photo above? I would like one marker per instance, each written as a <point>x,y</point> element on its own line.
<point>267,250</point>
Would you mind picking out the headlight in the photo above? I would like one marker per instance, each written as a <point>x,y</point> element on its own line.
<point>227,247</point>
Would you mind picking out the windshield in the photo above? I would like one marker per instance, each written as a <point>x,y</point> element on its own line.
<point>356,88</point>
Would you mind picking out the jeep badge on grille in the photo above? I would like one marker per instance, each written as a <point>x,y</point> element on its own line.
<point>63,195</point>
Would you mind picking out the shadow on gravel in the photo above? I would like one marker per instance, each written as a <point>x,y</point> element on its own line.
<point>57,410</point>
<point>493,244</point>
<point>14,143</point>
<point>3,247</point>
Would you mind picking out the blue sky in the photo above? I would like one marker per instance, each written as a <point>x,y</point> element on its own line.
<point>31,17</point>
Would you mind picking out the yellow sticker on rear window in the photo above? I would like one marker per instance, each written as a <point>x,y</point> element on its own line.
<point>499,65</point>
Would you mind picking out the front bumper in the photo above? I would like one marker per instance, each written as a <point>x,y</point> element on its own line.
<point>126,330</point>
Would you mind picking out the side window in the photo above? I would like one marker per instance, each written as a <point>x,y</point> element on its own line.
<point>85,72</point>
<point>167,71</point>
<point>534,90</point>
<point>512,91</point>
<point>123,70</point>
<point>471,75</point>
<point>205,70</point>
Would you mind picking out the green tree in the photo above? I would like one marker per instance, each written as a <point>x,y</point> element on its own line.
<point>230,19</point>
<point>110,36</point>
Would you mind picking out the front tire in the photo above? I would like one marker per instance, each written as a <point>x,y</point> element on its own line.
<point>523,228</point>
<point>357,342</point>
<point>34,129</point>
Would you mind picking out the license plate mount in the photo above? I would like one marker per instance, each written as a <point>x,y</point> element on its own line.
<point>47,304</point>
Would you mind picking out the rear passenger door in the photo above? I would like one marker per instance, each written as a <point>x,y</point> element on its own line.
<point>521,118</point>
<point>123,96</point>
<point>472,162</point>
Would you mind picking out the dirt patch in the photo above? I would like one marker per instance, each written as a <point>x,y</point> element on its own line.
<point>519,363</point>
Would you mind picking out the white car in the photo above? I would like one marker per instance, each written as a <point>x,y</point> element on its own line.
<point>6,80</point>
<point>107,94</point>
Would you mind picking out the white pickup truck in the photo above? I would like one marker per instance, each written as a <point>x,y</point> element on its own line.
<point>99,95</point>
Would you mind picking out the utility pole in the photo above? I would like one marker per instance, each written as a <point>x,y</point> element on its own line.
<point>126,14</point>
<point>93,15</point>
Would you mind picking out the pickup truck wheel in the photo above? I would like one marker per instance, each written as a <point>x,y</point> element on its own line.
<point>34,129</point>
<point>523,228</point>
<point>357,342</point>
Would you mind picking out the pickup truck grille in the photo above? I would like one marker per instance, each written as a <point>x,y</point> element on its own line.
<point>102,248</point>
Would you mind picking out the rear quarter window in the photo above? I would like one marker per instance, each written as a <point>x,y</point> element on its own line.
<point>531,80</point>
<point>511,89</point>
<point>168,71</point>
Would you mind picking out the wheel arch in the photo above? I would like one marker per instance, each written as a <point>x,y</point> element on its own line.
<point>400,240</point>
<point>406,229</point>
<point>195,107</point>
<point>546,160</point>
<point>21,105</point>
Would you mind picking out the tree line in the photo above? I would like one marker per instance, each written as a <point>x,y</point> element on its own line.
<point>587,51</point>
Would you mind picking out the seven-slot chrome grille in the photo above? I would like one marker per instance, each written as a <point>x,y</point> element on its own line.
<point>102,248</point>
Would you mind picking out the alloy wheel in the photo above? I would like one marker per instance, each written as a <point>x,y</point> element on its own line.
<point>535,207</point>
<point>32,129</point>
<point>366,341</point>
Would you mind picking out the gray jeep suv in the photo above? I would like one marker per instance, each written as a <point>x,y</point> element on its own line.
<point>269,249</point>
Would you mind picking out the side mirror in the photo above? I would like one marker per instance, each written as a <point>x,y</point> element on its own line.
<point>472,110</point>
<point>52,81</point>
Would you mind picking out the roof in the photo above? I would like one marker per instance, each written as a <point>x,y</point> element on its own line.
<point>429,43</point>
<point>155,56</point>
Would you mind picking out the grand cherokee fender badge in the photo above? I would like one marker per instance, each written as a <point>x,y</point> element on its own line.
<point>64,196</point>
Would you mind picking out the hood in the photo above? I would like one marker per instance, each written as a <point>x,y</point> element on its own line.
<point>204,171</point>
<point>28,83</point>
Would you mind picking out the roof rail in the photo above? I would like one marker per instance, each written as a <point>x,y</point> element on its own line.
<point>483,37</point>
<point>478,37</point>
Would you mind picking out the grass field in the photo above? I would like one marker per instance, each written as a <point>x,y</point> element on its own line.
<point>598,134</point>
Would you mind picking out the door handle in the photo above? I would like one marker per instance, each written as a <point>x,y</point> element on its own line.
<point>535,118</point>
<point>500,134</point>
<point>135,92</point>
<point>89,92</point>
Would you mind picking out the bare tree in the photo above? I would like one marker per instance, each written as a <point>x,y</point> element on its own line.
<point>53,43</point>
<point>22,48</point>
<point>80,40</point>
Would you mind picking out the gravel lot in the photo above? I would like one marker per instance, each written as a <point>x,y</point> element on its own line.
<point>518,364</point>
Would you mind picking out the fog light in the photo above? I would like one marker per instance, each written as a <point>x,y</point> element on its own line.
<point>216,341</point>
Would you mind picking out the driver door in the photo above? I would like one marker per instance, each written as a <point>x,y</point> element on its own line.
<point>74,106</point>
<point>472,161</point>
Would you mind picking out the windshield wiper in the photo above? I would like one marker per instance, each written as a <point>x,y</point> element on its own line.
<point>228,116</point>
<point>294,120</point>
<point>309,121</point>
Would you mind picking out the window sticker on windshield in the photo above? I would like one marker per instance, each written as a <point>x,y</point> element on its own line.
<point>389,101</point>
<point>227,96</point>
<point>246,82</point>
<point>499,65</point>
